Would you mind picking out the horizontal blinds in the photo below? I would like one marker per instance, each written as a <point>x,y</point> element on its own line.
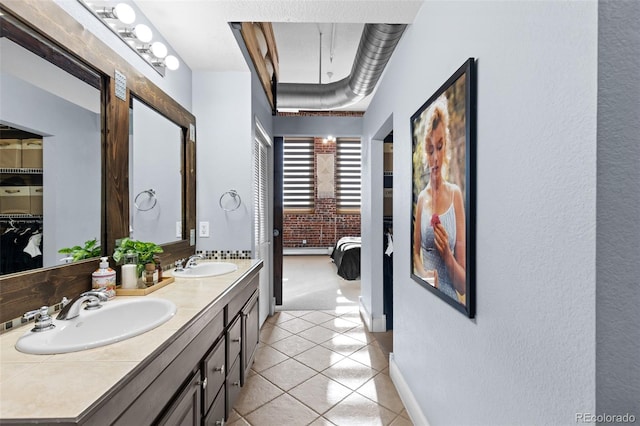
<point>349,168</point>
<point>298,191</point>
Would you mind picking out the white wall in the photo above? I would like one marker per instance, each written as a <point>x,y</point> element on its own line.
<point>618,228</point>
<point>529,356</point>
<point>224,142</point>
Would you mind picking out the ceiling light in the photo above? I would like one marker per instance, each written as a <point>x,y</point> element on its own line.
<point>172,62</point>
<point>159,50</point>
<point>122,12</point>
<point>140,32</point>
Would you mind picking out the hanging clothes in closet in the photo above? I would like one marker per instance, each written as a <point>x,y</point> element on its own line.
<point>20,246</point>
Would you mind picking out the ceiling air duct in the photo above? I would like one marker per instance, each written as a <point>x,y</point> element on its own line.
<point>376,46</point>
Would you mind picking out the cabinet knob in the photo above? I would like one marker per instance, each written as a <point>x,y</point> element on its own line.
<point>221,369</point>
<point>203,383</point>
<point>220,422</point>
<point>236,384</point>
<point>238,340</point>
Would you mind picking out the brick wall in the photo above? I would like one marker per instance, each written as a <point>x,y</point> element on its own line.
<point>324,226</point>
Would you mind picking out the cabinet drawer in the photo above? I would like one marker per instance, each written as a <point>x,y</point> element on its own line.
<point>214,370</point>
<point>216,416</point>
<point>233,384</point>
<point>234,340</point>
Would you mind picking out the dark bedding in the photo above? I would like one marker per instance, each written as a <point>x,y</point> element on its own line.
<point>346,256</point>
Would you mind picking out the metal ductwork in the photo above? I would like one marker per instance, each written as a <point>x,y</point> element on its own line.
<point>376,46</point>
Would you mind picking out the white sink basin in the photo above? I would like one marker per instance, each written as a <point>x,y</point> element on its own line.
<point>207,269</point>
<point>117,320</point>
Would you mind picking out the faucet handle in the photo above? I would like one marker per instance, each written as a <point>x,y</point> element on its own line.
<point>179,264</point>
<point>43,320</point>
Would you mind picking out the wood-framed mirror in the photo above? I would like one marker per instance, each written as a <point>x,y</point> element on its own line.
<point>65,40</point>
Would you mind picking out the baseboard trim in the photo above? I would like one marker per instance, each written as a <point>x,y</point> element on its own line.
<point>410,403</point>
<point>375,325</point>
<point>307,251</point>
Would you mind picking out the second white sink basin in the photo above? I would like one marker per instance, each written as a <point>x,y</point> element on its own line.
<point>206,269</point>
<point>117,320</point>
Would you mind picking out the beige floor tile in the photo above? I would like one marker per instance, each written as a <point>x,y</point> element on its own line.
<point>350,373</point>
<point>320,393</point>
<point>371,356</point>
<point>296,325</point>
<point>270,334</point>
<point>279,317</point>
<point>288,374</point>
<point>318,334</point>
<point>405,414</point>
<point>256,392</point>
<point>401,421</point>
<point>267,357</point>
<point>330,312</point>
<point>361,333</point>
<point>381,389</point>
<point>344,345</point>
<point>317,317</point>
<point>319,358</point>
<point>356,410</point>
<point>298,313</point>
<point>321,421</point>
<point>284,410</point>
<point>292,345</point>
<point>339,324</point>
<point>236,420</point>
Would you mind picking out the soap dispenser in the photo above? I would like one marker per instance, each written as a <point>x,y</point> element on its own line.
<point>104,277</point>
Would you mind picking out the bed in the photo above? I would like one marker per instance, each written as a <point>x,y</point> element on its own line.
<point>346,256</point>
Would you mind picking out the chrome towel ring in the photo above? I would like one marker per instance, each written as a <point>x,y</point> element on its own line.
<point>236,200</point>
<point>151,196</point>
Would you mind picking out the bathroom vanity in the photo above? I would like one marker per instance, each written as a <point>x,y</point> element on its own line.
<point>188,370</point>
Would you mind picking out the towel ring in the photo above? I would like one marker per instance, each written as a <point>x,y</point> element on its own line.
<point>236,200</point>
<point>152,194</point>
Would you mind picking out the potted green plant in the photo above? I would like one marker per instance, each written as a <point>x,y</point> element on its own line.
<point>144,250</point>
<point>90,249</point>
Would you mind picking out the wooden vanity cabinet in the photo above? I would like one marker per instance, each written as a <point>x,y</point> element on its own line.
<point>196,377</point>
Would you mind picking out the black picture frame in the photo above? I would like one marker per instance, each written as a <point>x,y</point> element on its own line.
<point>443,134</point>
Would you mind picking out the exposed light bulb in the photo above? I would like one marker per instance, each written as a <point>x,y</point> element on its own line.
<point>143,33</point>
<point>172,62</point>
<point>159,50</point>
<point>124,13</point>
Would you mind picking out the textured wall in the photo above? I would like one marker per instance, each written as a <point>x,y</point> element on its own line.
<point>618,237</point>
<point>529,356</point>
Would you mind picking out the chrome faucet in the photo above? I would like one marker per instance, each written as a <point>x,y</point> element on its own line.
<point>193,260</point>
<point>72,309</point>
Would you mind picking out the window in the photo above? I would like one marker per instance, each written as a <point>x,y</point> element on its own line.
<point>298,182</point>
<point>349,171</point>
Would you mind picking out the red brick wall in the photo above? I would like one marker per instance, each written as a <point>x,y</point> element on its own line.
<point>324,226</point>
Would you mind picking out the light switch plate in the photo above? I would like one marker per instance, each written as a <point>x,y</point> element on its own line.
<point>203,229</point>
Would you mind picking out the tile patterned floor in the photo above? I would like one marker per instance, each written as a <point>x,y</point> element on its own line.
<point>319,368</point>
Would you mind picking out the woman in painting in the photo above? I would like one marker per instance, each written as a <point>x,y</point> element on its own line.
<point>439,233</point>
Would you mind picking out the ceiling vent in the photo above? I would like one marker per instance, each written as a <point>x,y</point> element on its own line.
<point>376,46</point>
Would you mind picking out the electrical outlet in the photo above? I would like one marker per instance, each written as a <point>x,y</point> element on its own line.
<point>304,242</point>
<point>179,229</point>
<point>203,229</point>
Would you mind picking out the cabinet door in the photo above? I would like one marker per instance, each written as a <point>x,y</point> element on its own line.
<point>185,410</point>
<point>250,334</point>
<point>234,340</point>
<point>216,416</point>
<point>214,370</point>
<point>233,384</point>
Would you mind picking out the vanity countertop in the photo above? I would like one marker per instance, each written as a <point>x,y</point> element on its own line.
<point>65,385</point>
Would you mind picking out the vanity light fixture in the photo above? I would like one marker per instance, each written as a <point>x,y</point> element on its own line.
<point>139,32</point>
<point>122,12</point>
<point>154,53</point>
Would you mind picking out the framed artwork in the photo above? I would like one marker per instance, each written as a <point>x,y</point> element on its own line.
<point>443,207</point>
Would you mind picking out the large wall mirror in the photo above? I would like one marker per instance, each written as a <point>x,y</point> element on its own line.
<point>51,158</point>
<point>155,176</point>
<point>89,176</point>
